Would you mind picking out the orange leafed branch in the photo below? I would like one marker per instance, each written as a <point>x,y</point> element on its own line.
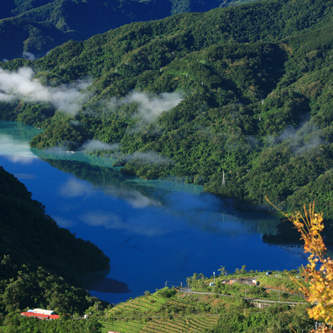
<point>318,273</point>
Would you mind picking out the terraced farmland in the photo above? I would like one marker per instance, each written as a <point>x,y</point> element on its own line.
<point>193,324</point>
<point>161,313</point>
<point>140,306</point>
<point>124,326</point>
<point>169,311</point>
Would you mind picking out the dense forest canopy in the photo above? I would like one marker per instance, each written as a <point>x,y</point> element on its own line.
<point>243,91</point>
<point>31,28</point>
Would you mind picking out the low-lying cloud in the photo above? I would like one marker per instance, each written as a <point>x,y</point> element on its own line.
<point>147,158</point>
<point>150,106</point>
<point>21,85</point>
<point>301,139</point>
<point>29,56</point>
<point>92,145</point>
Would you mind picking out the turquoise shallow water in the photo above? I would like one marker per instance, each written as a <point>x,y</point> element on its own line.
<point>154,232</point>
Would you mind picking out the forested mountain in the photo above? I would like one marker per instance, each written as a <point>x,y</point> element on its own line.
<point>30,28</point>
<point>243,90</point>
<point>40,263</point>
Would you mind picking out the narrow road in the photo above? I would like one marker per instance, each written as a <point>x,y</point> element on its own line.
<point>190,291</point>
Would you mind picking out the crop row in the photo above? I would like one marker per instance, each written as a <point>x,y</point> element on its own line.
<point>124,327</point>
<point>137,307</point>
<point>179,325</point>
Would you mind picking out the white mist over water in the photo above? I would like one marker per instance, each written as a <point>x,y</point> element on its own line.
<point>15,149</point>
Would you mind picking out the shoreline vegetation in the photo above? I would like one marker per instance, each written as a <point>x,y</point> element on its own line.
<point>233,304</point>
<point>243,301</point>
<point>235,95</point>
<point>24,284</point>
<point>40,263</point>
<point>236,99</point>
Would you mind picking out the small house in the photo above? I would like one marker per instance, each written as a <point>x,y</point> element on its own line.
<point>41,314</point>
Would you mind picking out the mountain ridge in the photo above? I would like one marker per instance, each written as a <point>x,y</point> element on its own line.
<point>252,86</point>
<point>32,28</point>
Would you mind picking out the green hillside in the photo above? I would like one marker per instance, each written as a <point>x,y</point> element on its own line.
<point>221,308</point>
<point>30,28</point>
<point>243,90</point>
<point>274,306</point>
<point>40,263</point>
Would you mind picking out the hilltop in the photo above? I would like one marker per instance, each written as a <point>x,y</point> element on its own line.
<point>30,28</point>
<point>243,91</point>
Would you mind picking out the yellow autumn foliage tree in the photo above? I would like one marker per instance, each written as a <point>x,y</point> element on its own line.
<point>318,273</point>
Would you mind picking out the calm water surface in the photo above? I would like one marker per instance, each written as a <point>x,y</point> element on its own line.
<point>153,231</point>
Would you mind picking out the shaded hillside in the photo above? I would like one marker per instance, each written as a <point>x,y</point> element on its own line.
<point>40,263</point>
<point>30,28</point>
<point>243,90</point>
<point>29,236</point>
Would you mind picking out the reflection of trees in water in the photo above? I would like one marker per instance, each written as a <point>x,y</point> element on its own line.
<point>267,225</point>
<point>19,131</point>
<point>286,235</point>
<point>289,236</point>
<point>97,281</point>
<point>114,182</point>
<point>233,224</point>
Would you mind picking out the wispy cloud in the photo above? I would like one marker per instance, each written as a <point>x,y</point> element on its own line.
<point>149,106</point>
<point>29,56</point>
<point>92,145</point>
<point>147,158</point>
<point>301,139</point>
<point>21,85</point>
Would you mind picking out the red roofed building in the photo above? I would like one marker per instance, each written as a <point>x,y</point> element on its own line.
<point>40,315</point>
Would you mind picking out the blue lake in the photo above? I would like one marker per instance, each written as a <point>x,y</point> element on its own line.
<point>155,232</point>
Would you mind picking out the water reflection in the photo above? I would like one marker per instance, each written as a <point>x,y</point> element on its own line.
<point>175,206</point>
<point>137,202</point>
<point>14,142</point>
<point>16,150</point>
<point>74,188</point>
<point>152,230</point>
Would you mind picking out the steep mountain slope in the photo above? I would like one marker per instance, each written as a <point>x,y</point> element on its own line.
<point>31,237</point>
<point>40,263</point>
<point>243,91</point>
<point>30,28</point>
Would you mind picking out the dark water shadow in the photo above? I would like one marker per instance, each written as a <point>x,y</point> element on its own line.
<point>97,281</point>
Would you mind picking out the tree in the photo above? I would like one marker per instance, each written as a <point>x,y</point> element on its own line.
<point>222,270</point>
<point>318,273</point>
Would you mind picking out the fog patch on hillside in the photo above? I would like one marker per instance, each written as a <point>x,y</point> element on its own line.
<point>149,157</point>
<point>93,145</point>
<point>21,85</point>
<point>301,139</point>
<point>148,106</point>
